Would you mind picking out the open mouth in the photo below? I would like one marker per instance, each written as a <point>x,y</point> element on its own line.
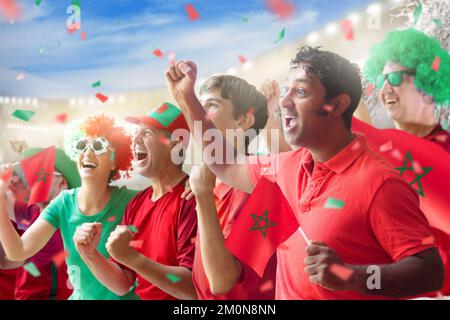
<point>140,155</point>
<point>391,102</point>
<point>289,121</point>
<point>88,165</point>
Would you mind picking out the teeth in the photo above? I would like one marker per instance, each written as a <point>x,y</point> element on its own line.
<point>89,165</point>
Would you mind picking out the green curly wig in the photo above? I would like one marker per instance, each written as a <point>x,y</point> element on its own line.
<point>414,50</point>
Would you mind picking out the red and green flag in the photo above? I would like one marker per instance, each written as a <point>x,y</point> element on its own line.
<point>265,222</point>
<point>38,171</point>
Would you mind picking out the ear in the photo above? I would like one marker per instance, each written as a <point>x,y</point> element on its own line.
<point>340,104</point>
<point>427,99</point>
<point>62,185</point>
<point>246,120</point>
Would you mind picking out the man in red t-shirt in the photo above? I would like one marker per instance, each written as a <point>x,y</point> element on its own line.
<point>231,104</point>
<point>370,239</point>
<point>412,103</point>
<point>52,284</point>
<point>155,241</point>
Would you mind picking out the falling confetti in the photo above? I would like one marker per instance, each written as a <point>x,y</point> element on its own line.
<point>83,35</point>
<point>38,2</point>
<point>112,219</point>
<point>436,63</point>
<point>283,247</point>
<point>441,138</point>
<point>266,286</point>
<point>438,22</point>
<point>369,89</point>
<point>76,3</point>
<point>171,56</point>
<point>281,35</point>
<point>24,115</point>
<point>245,19</point>
<point>133,229</point>
<point>347,29</point>
<point>61,118</point>
<point>417,13</point>
<point>396,154</point>
<point>417,167</point>
<point>7,175</point>
<point>281,8</point>
<point>136,244</point>
<point>101,97</point>
<point>158,53</point>
<point>428,240</point>
<point>328,108</point>
<point>41,50</point>
<point>173,278</point>
<point>386,147</point>
<point>96,84</point>
<point>192,12</point>
<point>20,76</point>
<point>333,203</point>
<point>193,239</point>
<point>58,259</point>
<point>356,146</point>
<point>31,268</point>
<point>342,272</point>
<point>10,9</point>
<point>242,59</point>
<point>25,222</point>
<point>164,140</point>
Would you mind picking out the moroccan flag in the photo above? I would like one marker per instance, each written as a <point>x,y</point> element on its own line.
<point>423,164</point>
<point>264,223</point>
<point>38,171</point>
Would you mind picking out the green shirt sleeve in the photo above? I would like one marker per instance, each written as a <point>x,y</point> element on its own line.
<point>52,213</point>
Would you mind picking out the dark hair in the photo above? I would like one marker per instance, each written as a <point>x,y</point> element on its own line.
<point>244,97</point>
<point>336,74</point>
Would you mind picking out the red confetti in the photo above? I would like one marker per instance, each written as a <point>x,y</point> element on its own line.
<point>83,35</point>
<point>266,286</point>
<point>347,28</point>
<point>369,89</point>
<point>417,167</point>
<point>283,247</point>
<point>10,9</point>
<point>137,244</point>
<point>281,8</point>
<point>20,76</point>
<point>192,12</point>
<point>193,240</point>
<point>73,27</point>
<point>242,59</point>
<point>396,154</point>
<point>164,140</point>
<point>441,138</point>
<point>428,240</point>
<point>356,146</point>
<point>342,272</point>
<point>112,219</point>
<point>58,259</point>
<point>158,53</point>
<point>7,175</point>
<point>436,63</point>
<point>386,147</point>
<point>101,97</point>
<point>328,108</point>
<point>251,110</point>
<point>61,118</point>
<point>171,57</point>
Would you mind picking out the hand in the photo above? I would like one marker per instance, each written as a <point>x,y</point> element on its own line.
<point>87,237</point>
<point>180,79</point>
<point>5,178</point>
<point>326,269</point>
<point>201,180</point>
<point>118,245</point>
<point>271,91</point>
<point>187,193</point>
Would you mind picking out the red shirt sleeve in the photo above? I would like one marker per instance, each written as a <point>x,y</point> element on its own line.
<point>397,221</point>
<point>187,231</point>
<point>259,166</point>
<point>23,211</point>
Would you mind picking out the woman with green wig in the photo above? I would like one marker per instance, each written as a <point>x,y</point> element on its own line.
<point>100,149</point>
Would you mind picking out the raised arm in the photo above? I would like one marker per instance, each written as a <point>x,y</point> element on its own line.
<point>180,79</point>
<point>34,239</point>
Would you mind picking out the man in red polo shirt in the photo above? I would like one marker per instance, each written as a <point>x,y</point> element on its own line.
<point>355,207</point>
<point>155,243</point>
<point>231,104</point>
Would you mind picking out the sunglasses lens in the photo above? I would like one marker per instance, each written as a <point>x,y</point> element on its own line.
<point>380,81</point>
<point>97,145</point>
<point>395,78</point>
<point>81,145</point>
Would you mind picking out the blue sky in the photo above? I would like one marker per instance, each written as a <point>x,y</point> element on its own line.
<point>121,35</point>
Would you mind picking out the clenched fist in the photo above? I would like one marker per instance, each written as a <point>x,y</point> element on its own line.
<point>180,79</point>
<point>118,245</point>
<point>87,237</point>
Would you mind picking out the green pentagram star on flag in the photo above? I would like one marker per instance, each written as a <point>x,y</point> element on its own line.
<point>42,175</point>
<point>417,177</point>
<point>263,217</point>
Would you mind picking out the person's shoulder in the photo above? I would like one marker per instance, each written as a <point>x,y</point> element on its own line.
<point>124,192</point>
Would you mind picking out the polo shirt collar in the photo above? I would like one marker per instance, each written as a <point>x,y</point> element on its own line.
<point>348,155</point>
<point>221,189</point>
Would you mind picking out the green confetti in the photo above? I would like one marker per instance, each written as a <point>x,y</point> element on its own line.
<point>173,278</point>
<point>41,51</point>
<point>281,35</point>
<point>31,268</point>
<point>24,115</point>
<point>417,13</point>
<point>438,22</point>
<point>76,3</point>
<point>333,203</point>
<point>96,84</point>
<point>38,2</point>
<point>245,19</point>
<point>133,229</point>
